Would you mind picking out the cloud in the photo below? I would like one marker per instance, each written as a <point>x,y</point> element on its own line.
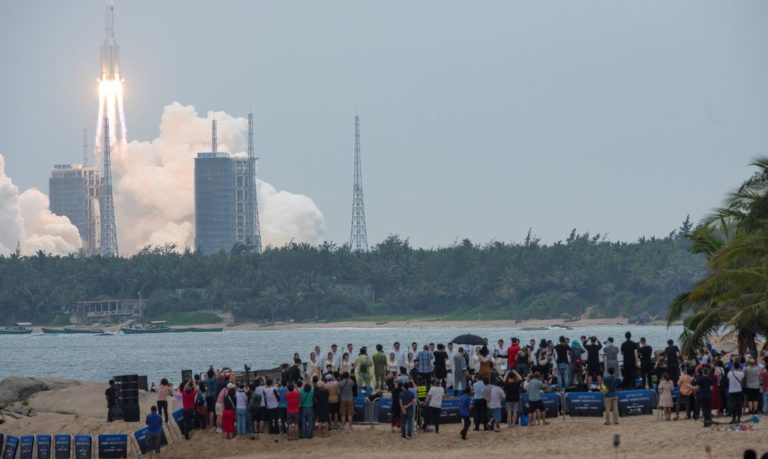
<point>25,220</point>
<point>154,186</point>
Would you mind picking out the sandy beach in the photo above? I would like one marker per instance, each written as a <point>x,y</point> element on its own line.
<point>78,407</point>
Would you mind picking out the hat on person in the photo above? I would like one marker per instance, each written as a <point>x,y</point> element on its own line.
<point>329,377</point>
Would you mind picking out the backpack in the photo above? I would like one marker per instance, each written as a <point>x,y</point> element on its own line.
<point>364,364</point>
<point>255,402</point>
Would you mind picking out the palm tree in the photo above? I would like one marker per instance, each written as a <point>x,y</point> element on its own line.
<point>733,296</point>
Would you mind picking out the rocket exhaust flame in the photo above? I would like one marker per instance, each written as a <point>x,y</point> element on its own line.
<point>110,89</point>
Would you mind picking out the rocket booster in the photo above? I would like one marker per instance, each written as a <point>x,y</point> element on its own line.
<point>110,51</point>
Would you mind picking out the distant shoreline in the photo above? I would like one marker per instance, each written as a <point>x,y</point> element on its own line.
<point>417,323</point>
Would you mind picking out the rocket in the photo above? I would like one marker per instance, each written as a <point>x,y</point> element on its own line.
<point>110,51</point>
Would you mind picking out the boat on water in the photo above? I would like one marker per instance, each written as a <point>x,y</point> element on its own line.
<point>156,326</point>
<point>195,329</point>
<point>73,330</point>
<point>18,328</point>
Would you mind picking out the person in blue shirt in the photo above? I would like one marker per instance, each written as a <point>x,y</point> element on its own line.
<point>611,397</point>
<point>154,432</point>
<point>465,407</point>
<point>283,407</point>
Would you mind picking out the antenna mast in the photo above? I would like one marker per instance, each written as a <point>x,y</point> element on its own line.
<point>252,227</point>
<point>358,239</point>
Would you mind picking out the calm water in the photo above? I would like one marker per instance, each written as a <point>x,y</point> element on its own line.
<point>98,358</point>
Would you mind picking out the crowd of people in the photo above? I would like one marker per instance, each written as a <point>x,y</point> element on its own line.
<point>315,396</point>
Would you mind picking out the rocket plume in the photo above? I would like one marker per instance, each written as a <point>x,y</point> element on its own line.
<point>111,89</point>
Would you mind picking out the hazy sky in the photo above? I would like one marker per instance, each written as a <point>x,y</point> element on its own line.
<point>479,119</point>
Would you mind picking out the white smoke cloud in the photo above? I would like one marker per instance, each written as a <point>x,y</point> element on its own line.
<point>154,186</point>
<point>26,220</point>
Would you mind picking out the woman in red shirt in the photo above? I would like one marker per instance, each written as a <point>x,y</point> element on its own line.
<point>228,416</point>
<point>292,411</point>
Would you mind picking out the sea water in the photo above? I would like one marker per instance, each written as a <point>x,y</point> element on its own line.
<point>98,358</point>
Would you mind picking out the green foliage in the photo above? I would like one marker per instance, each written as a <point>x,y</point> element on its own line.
<point>733,295</point>
<point>302,282</point>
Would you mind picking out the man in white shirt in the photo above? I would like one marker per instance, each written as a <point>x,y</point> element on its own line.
<point>496,397</point>
<point>336,357</point>
<point>499,356</point>
<point>351,352</point>
<point>434,404</point>
<point>401,357</point>
<point>735,391</point>
<point>319,358</point>
<point>449,381</point>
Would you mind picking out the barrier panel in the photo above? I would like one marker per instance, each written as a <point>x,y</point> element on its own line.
<point>551,403</point>
<point>11,445</point>
<point>383,410</point>
<point>43,446</point>
<point>26,446</point>
<point>584,404</point>
<point>636,402</point>
<point>113,446</point>
<point>83,447</point>
<point>141,439</point>
<point>62,446</point>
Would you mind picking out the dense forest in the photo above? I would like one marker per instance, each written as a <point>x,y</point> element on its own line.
<point>582,274</point>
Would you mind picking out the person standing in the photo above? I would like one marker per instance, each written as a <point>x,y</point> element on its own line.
<point>685,397</point>
<point>346,389</point>
<point>465,404</point>
<point>434,404</point>
<point>364,371</point>
<point>188,396</point>
<point>593,359</point>
<point>440,363</point>
<point>322,410</point>
<point>672,354</point>
<point>705,396</point>
<point>735,392</point>
<point>562,351</point>
<point>646,363</point>
<point>307,426</point>
<point>512,384</point>
<point>163,392</point>
<point>424,364</point>
<point>496,398</point>
<point>407,403</point>
<point>611,356</point>
<point>611,397</point>
<point>380,367</point>
<point>512,351</point>
<point>764,386</point>
<point>111,396</point>
<point>272,405</point>
<point>666,386</point>
<point>293,410</point>
<point>154,432</point>
<point>752,385</point>
<point>629,355</point>
<point>241,411</point>
<point>534,386</point>
<point>228,414</point>
<point>479,403</point>
<point>460,370</point>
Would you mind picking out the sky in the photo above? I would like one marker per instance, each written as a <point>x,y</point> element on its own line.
<point>479,120</point>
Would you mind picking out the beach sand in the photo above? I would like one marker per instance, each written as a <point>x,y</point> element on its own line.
<point>79,409</point>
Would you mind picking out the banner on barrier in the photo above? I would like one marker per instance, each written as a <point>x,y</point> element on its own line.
<point>83,447</point>
<point>43,447</point>
<point>584,404</point>
<point>62,446</point>
<point>113,446</point>
<point>551,403</point>
<point>141,439</point>
<point>11,445</point>
<point>636,402</point>
<point>26,446</point>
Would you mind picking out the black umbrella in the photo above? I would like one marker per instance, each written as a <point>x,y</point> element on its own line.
<point>472,340</point>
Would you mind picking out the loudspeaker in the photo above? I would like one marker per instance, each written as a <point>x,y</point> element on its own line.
<point>143,383</point>
<point>131,413</point>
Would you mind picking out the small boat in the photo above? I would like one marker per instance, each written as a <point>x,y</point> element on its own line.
<point>53,331</point>
<point>560,327</point>
<point>83,330</point>
<point>182,330</point>
<point>202,330</point>
<point>157,326</point>
<point>534,328</point>
<point>19,328</point>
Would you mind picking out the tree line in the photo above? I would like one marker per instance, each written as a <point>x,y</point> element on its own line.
<point>581,275</point>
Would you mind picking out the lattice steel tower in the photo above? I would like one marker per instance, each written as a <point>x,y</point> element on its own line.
<point>358,239</point>
<point>252,227</point>
<point>108,229</point>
